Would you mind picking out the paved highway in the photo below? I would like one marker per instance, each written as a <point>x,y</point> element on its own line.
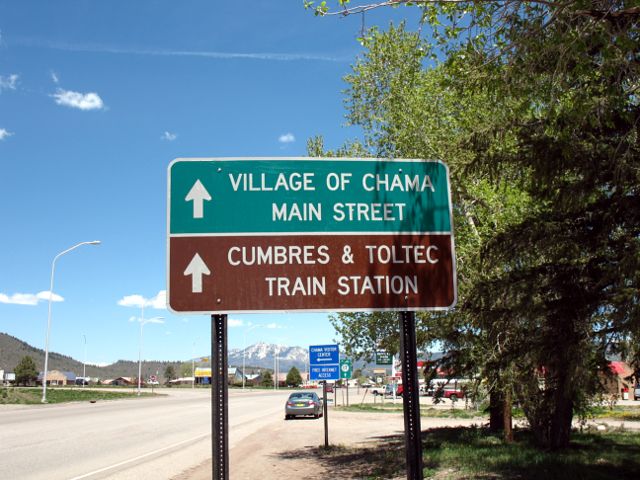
<point>140,438</point>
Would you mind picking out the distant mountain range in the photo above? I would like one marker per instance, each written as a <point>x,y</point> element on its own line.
<point>12,350</point>
<point>262,355</point>
<point>256,357</point>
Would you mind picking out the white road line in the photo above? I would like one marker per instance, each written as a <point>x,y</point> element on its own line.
<point>95,472</point>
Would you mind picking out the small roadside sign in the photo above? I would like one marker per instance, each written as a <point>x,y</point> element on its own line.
<point>346,368</point>
<point>323,354</point>
<point>324,362</point>
<point>383,358</point>
<point>326,372</point>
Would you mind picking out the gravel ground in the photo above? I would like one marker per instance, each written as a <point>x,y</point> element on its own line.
<point>290,449</point>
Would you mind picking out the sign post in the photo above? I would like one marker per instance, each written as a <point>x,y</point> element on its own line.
<point>323,366</point>
<point>346,371</point>
<point>294,234</point>
<point>410,395</point>
<point>219,404</point>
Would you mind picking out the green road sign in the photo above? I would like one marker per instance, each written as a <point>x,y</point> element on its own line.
<point>346,368</point>
<point>228,196</point>
<point>383,358</point>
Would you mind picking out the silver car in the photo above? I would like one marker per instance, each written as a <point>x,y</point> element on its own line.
<point>303,403</point>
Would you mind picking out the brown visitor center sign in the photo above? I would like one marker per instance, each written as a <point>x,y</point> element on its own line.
<point>287,234</point>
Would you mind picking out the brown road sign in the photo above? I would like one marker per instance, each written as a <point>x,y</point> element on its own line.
<point>311,272</point>
<point>263,235</point>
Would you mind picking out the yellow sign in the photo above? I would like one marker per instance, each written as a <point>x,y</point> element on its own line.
<point>202,372</point>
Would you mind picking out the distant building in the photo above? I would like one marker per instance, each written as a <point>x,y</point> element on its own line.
<point>122,381</point>
<point>621,381</point>
<point>181,381</point>
<point>57,377</point>
<point>203,376</point>
<point>234,375</point>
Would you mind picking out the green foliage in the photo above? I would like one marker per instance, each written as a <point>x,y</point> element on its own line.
<point>408,111</point>
<point>186,369</point>
<point>293,377</point>
<point>267,379</point>
<point>474,453</point>
<point>169,373</point>
<point>33,396</point>
<point>535,108</point>
<point>25,371</point>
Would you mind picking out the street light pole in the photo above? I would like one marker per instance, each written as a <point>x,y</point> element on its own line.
<point>84,362</point>
<point>142,322</point>
<point>193,365</point>
<point>244,350</point>
<point>46,343</point>
<point>140,349</point>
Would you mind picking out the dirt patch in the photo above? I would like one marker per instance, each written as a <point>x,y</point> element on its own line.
<point>362,445</point>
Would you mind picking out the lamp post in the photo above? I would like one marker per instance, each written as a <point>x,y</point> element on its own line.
<point>46,343</point>
<point>142,322</point>
<point>84,362</point>
<point>244,350</point>
<point>193,364</point>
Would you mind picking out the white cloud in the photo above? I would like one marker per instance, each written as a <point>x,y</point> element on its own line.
<point>29,298</point>
<point>132,301</point>
<point>147,320</point>
<point>170,137</point>
<point>5,134</point>
<point>44,295</point>
<point>287,138</point>
<point>233,323</point>
<point>268,56</point>
<point>82,101</point>
<point>273,326</point>
<point>159,302</point>
<point>99,364</point>
<point>55,78</point>
<point>8,83</point>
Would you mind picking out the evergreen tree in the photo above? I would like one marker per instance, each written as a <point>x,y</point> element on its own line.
<point>169,373</point>
<point>293,377</point>
<point>556,286</point>
<point>267,379</point>
<point>25,371</point>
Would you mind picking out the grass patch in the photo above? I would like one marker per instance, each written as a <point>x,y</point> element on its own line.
<point>424,411</point>
<point>473,452</point>
<point>630,414</point>
<point>470,452</point>
<point>32,396</point>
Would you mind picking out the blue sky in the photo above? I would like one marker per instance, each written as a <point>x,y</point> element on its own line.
<point>96,98</point>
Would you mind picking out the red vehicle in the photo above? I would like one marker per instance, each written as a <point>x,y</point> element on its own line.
<point>452,394</point>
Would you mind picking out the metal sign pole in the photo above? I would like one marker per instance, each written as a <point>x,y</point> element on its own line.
<point>347,392</point>
<point>410,397</point>
<point>325,411</point>
<point>219,401</point>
